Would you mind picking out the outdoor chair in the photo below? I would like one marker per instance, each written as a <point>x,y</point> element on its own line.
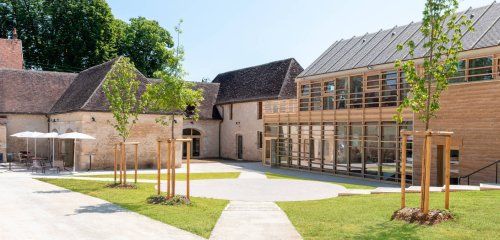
<point>37,165</point>
<point>57,166</point>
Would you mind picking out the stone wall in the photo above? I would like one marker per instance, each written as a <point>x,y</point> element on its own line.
<point>244,123</point>
<point>97,124</point>
<point>26,122</point>
<point>209,140</point>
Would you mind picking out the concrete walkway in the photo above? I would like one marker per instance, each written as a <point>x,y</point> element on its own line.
<point>253,220</point>
<point>258,219</point>
<point>31,209</point>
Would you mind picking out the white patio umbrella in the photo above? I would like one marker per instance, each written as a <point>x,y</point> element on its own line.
<point>35,135</point>
<point>74,136</point>
<point>51,135</point>
<point>27,135</point>
<point>24,134</point>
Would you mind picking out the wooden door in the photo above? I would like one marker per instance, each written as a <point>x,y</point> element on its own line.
<point>239,146</point>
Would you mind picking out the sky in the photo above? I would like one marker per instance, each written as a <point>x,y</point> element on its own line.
<point>224,35</point>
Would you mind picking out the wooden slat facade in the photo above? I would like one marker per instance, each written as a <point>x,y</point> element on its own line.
<point>342,126</point>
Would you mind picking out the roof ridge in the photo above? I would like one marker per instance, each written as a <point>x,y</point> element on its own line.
<point>37,71</point>
<point>101,80</point>
<point>260,65</point>
<point>287,77</point>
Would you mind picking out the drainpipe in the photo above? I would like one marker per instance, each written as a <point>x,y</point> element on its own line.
<point>220,125</point>
<point>48,130</point>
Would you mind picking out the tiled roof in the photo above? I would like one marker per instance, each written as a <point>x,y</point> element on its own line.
<point>380,47</point>
<point>86,94</point>
<point>268,81</point>
<point>207,106</point>
<point>33,92</point>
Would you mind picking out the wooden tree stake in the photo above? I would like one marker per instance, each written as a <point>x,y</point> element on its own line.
<point>403,171</point>
<point>158,166</point>
<point>188,158</point>
<point>169,157</point>
<point>136,163</point>
<point>173,167</point>
<point>447,153</point>
<point>115,163</point>
<point>422,175</point>
<point>427,172</point>
<point>121,164</point>
<point>124,160</point>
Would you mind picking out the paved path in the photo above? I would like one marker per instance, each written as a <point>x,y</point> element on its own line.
<point>254,220</point>
<point>30,209</point>
<point>262,219</point>
<point>260,190</point>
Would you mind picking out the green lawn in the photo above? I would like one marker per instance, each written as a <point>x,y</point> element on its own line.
<point>346,185</point>
<point>199,218</point>
<point>368,217</point>
<point>178,176</point>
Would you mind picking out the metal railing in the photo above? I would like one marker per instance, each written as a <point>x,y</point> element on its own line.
<point>479,170</point>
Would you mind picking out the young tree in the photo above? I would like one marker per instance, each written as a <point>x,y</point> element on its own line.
<point>121,88</point>
<point>442,29</point>
<point>172,94</point>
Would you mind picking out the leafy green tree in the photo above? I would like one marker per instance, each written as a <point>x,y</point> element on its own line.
<point>148,45</point>
<point>172,95</point>
<point>71,35</point>
<point>442,29</point>
<point>62,34</point>
<point>121,88</point>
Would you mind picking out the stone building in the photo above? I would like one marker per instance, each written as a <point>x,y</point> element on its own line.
<point>342,120</point>
<point>65,102</point>
<point>239,102</point>
<point>229,125</point>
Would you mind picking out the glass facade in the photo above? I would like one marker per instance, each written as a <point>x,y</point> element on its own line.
<point>369,150</point>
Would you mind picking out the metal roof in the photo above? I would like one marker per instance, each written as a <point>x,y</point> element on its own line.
<point>380,47</point>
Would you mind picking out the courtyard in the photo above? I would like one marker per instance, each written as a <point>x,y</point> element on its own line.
<point>230,200</point>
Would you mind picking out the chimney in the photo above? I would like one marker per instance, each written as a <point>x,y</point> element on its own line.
<point>11,53</point>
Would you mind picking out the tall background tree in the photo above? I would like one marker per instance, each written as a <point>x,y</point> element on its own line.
<point>71,35</point>
<point>442,29</point>
<point>148,45</point>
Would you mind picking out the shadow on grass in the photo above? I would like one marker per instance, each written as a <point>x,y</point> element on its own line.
<point>390,230</point>
<point>100,208</point>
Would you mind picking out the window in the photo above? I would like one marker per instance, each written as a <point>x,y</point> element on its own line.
<point>355,150</point>
<point>389,89</point>
<point>304,104</point>
<point>341,152</point>
<point>356,94</point>
<point>259,110</point>
<point>190,132</point>
<point>259,139</point>
<point>316,96</point>
<point>340,96</point>
<point>328,103</point>
<point>372,91</point>
<point>480,69</point>
<point>231,111</point>
<point>329,87</point>
<point>371,148</point>
<point>305,90</point>
<point>460,74</point>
